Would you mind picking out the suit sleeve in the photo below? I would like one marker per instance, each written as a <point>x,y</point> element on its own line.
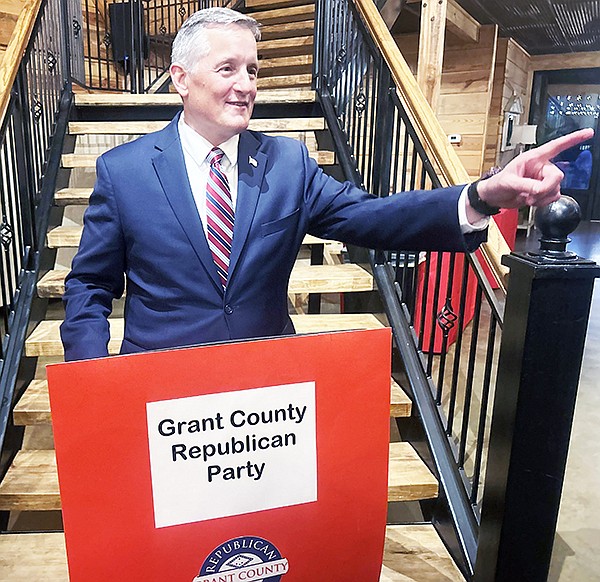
<point>420,220</point>
<point>97,275</point>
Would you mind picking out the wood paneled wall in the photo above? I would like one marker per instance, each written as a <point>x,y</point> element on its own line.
<point>587,60</point>
<point>477,82</point>
<point>511,76</point>
<point>466,92</point>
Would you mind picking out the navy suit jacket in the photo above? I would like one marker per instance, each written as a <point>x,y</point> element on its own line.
<point>142,224</point>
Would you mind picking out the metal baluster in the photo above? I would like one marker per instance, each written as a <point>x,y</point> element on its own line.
<point>482,421</point>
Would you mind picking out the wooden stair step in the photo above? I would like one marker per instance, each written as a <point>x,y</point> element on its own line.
<point>161,99</point>
<point>70,236</point>
<point>34,406</point>
<point>307,137</point>
<point>343,278</point>
<point>280,66</point>
<point>64,237</point>
<point>289,96</point>
<point>284,81</point>
<point>283,15</point>
<point>68,196</point>
<point>260,4</point>
<point>143,127</point>
<point>322,157</point>
<point>413,553</point>
<point>33,409</point>
<point>400,402</point>
<point>287,30</point>
<point>33,556</point>
<point>409,478</point>
<point>285,47</point>
<point>31,482</point>
<point>76,196</point>
<point>45,338</point>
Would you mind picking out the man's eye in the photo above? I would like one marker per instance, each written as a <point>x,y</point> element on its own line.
<point>253,72</point>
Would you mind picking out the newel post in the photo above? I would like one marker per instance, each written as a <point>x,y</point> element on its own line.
<point>545,323</point>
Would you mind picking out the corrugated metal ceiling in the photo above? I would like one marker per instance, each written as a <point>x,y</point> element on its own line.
<point>543,26</point>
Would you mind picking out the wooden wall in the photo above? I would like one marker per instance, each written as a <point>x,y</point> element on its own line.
<point>466,90</point>
<point>571,61</point>
<point>511,76</point>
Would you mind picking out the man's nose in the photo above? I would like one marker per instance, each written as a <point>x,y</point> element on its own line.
<point>245,81</point>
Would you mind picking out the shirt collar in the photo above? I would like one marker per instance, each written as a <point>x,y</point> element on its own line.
<point>197,147</point>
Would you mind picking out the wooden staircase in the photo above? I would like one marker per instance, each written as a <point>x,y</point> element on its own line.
<point>413,552</point>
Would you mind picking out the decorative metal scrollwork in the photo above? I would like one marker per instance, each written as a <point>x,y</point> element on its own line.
<point>361,103</point>
<point>52,61</point>
<point>107,40</point>
<point>446,318</point>
<point>76,28</point>
<point>6,234</point>
<point>162,29</point>
<point>181,11</point>
<point>37,109</point>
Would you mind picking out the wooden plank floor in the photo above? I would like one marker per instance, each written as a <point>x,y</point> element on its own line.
<point>413,553</point>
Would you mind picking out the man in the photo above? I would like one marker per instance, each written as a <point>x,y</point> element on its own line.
<point>165,207</point>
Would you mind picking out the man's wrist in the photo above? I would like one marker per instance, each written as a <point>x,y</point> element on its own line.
<point>469,220</point>
<point>479,205</point>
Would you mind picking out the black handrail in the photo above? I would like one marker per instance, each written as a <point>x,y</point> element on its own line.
<point>31,140</point>
<point>441,306</point>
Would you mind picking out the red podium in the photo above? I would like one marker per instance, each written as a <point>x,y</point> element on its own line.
<point>262,460</point>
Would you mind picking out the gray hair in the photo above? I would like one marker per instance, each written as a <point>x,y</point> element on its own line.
<point>191,42</point>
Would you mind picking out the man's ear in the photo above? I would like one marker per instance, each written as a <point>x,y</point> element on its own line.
<point>179,79</point>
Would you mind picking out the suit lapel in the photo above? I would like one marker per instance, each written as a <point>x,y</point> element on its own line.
<point>251,170</point>
<point>170,168</point>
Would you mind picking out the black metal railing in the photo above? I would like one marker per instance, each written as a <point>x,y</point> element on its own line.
<point>31,139</point>
<point>446,319</point>
<point>125,45</point>
<point>476,379</point>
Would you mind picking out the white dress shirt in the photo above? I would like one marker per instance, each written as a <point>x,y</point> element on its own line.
<point>195,152</point>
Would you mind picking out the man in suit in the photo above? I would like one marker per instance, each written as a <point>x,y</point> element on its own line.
<point>151,217</point>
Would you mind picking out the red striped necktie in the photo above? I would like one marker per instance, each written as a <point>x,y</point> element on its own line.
<point>219,214</point>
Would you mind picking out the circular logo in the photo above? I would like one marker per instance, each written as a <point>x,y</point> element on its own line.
<point>243,559</point>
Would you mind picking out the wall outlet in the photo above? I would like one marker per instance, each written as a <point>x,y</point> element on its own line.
<point>455,138</point>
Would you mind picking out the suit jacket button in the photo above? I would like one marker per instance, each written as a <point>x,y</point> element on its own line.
<point>228,309</point>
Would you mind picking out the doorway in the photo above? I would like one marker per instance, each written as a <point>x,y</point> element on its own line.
<point>562,102</point>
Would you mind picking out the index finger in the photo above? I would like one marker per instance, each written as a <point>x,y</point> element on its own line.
<point>560,144</point>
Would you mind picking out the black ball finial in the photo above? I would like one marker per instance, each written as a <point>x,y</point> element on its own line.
<point>556,221</point>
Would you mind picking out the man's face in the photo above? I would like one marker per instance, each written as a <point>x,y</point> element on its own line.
<point>218,95</point>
